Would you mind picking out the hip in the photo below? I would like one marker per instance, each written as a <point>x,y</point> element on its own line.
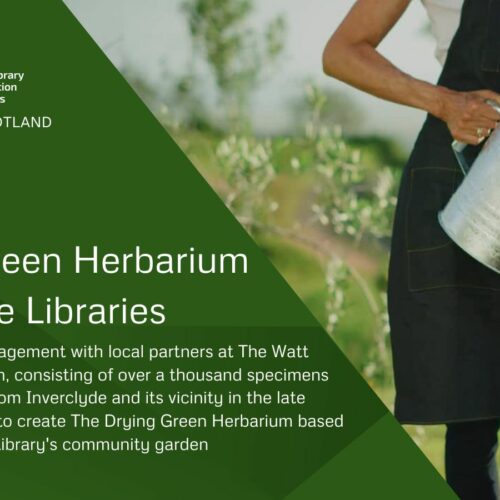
<point>423,255</point>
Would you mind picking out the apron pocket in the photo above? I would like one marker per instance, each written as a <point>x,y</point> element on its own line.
<point>428,269</point>
<point>448,266</point>
<point>430,190</point>
<point>434,260</point>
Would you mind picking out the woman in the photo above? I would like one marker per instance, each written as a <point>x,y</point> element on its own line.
<point>444,306</point>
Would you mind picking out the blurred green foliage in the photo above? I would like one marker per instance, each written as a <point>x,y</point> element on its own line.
<point>304,266</point>
<point>319,203</point>
<point>238,55</point>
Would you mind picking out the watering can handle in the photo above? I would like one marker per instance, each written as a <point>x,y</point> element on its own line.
<point>459,147</point>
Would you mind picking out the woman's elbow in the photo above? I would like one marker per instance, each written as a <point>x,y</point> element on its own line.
<point>332,57</point>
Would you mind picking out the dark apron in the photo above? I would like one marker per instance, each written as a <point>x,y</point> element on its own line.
<point>444,307</point>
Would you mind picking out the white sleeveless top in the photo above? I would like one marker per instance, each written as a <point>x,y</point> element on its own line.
<point>445,18</point>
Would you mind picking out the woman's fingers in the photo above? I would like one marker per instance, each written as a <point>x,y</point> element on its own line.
<point>477,123</point>
<point>489,94</point>
<point>487,111</point>
<point>468,138</point>
<point>472,131</point>
<point>481,108</point>
<point>480,127</point>
<point>477,108</point>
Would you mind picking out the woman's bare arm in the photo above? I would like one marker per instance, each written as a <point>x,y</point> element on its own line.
<point>351,56</point>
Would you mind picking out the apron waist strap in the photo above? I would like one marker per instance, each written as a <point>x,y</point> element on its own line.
<point>491,50</point>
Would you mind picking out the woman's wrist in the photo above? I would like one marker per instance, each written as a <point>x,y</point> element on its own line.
<point>433,99</point>
<point>440,102</point>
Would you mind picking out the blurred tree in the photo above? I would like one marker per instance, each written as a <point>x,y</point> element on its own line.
<point>237,55</point>
<point>331,106</point>
<point>190,105</point>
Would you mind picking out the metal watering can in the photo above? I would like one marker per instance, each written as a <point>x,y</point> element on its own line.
<point>472,216</point>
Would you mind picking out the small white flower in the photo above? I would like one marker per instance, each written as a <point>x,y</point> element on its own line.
<point>295,163</point>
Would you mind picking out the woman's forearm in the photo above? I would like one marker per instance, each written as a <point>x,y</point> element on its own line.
<point>351,56</point>
<point>361,66</point>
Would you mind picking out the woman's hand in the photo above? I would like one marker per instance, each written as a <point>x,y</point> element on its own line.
<point>469,118</point>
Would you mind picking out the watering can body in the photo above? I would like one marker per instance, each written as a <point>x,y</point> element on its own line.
<point>472,216</point>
